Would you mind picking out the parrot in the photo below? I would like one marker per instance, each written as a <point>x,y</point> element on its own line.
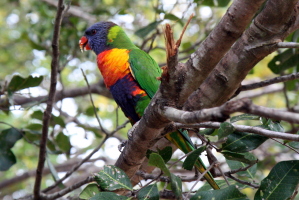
<point>131,75</point>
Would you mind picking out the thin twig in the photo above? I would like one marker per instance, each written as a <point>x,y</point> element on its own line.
<point>278,79</point>
<point>76,11</point>
<point>241,169</point>
<point>85,159</point>
<point>94,108</point>
<point>180,159</point>
<point>68,189</point>
<point>200,177</point>
<point>50,101</point>
<point>222,173</point>
<point>295,150</point>
<point>243,182</point>
<point>287,45</point>
<point>77,166</point>
<point>154,179</point>
<point>243,128</point>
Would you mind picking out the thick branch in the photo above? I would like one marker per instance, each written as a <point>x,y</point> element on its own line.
<point>214,47</point>
<point>270,27</point>
<point>50,101</point>
<point>223,112</point>
<point>188,77</point>
<point>142,137</point>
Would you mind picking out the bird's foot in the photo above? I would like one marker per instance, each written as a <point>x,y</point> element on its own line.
<point>122,145</point>
<point>130,132</point>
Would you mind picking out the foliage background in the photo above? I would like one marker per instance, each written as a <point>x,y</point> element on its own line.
<point>26,33</point>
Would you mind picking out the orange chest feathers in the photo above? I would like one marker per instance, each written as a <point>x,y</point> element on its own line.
<point>114,65</point>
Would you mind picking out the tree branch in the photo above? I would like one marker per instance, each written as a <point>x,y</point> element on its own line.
<point>263,91</point>
<point>270,27</point>
<point>75,167</point>
<point>287,45</point>
<point>242,128</point>
<point>96,88</point>
<point>278,79</point>
<point>50,101</point>
<point>221,113</point>
<point>219,41</point>
<point>68,189</point>
<point>183,82</point>
<point>76,11</point>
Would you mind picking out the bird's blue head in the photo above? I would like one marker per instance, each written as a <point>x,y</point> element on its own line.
<point>96,36</point>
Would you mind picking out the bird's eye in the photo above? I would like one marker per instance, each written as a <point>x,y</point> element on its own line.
<point>93,31</point>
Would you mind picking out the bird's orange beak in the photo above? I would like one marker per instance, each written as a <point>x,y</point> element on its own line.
<point>83,43</point>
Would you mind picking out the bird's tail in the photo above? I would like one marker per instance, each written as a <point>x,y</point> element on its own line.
<point>182,140</point>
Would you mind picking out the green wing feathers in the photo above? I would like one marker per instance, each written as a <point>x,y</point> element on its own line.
<point>145,70</point>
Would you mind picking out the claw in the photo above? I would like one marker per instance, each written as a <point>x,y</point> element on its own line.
<point>122,145</point>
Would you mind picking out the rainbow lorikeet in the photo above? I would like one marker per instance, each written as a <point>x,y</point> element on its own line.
<point>131,76</point>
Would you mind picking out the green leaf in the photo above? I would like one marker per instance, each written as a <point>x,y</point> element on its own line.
<point>212,3</point>
<point>291,84</point>
<point>283,61</point>
<point>222,184</point>
<point>233,164</point>
<point>231,192</point>
<point>247,158</point>
<point>294,144</point>
<point>250,172</point>
<point>207,131</point>
<point>244,117</point>
<point>109,195</point>
<point>157,161</point>
<point>143,32</point>
<point>35,127</point>
<point>225,129</point>
<point>9,137</point>
<point>166,153</point>
<point>176,186</point>
<point>149,192</point>
<point>275,126</point>
<point>32,135</point>
<point>281,181</point>
<point>90,111</point>
<point>243,142</point>
<point>7,159</point>
<point>89,191</point>
<point>173,18</point>
<point>57,120</point>
<point>37,115</point>
<point>52,147</point>
<point>18,83</point>
<point>192,158</point>
<point>112,178</point>
<point>95,130</point>
<point>63,142</point>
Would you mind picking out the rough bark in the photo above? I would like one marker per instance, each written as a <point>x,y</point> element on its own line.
<point>270,27</point>
<point>189,77</point>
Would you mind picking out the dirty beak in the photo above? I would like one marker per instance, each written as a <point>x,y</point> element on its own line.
<point>83,43</point>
